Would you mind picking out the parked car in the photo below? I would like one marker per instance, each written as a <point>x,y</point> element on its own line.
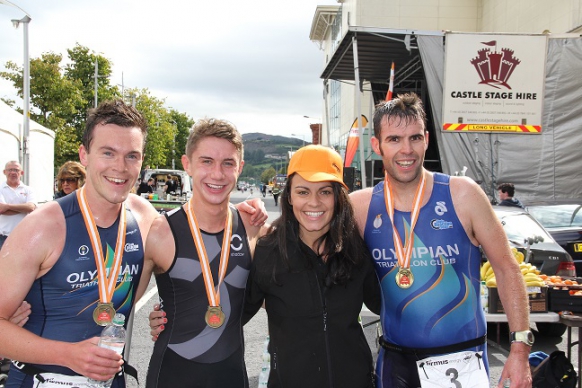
<point>523,230</point>
<point>564,222</point>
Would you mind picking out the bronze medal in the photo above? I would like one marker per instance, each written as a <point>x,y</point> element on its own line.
<point>404,278</point>
<point>214,317</point>
<point>103,313</point>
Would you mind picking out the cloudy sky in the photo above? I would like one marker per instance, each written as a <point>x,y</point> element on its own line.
<point>250,62</point>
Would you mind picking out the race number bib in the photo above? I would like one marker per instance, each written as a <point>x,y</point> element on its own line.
<point>455,370</point>
<point>56,380</point>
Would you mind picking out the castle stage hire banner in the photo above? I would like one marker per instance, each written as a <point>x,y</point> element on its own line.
<point>494,83</point>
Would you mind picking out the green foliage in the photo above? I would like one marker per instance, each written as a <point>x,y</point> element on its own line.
<point>81,69</point>
<point>66,145</point>
<point>160,130</point>
<point>182,125</point>
<point>249,171</point>
<point>267,175</point>
<point>51,94</point>
<point>60,97</point>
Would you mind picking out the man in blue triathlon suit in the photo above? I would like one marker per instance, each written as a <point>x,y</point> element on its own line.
<point>431,293</point>
<point>49,260</point>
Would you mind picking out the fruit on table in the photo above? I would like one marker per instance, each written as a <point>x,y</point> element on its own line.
<point>530,273</point>
<point>518,255</point>
<point>558,281</point>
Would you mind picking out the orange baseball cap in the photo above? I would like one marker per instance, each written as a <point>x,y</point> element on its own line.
<point>316,163</point>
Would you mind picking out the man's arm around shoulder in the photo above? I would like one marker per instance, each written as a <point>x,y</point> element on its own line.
<point>361,203</point>
<point>146,216</point>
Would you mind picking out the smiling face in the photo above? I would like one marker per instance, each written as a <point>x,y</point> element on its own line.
<point>402,148</point>
<point>113,161</point>
<point>313,206</point>
<point>13,172</point>
<point>214,166</point>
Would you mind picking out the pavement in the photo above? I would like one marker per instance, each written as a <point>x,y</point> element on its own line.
<point>255,331</point>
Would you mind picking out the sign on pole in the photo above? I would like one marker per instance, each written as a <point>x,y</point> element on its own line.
<point>494,83</point>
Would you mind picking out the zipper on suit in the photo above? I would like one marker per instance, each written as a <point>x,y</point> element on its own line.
<point>325,334</point>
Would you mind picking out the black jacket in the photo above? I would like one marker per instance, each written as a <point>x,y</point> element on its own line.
<point>144,188</point>
<point>315,337</point>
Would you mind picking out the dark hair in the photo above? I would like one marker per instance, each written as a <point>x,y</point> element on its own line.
<point>221,129</point>
<point>342,243</point>
<point>508,188</point>
<point>71,169</point>
<point>113,112</point>
<point>405,107</point>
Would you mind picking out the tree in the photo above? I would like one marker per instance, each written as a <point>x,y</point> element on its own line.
<point>81,69</point>
<point>249,171</point>
<point>60,98</point>
<point>53,100</point>
<point>267,175</point>
<point>160,138</point>
<point>182,124</point>
<point>50,92</point>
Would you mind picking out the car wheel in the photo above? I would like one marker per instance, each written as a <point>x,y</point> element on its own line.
<point>547,329</point>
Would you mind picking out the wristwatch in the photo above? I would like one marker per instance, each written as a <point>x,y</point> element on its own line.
<point>525,336</point>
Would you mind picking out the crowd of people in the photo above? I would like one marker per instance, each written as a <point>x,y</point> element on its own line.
<point>216,265</point>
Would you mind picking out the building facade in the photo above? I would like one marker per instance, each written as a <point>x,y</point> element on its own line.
<point>334,25</point>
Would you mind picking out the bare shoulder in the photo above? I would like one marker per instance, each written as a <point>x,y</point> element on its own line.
<point>361,203</point>
<point>160,231</point>
<point>160,247</point>
<point>45,222</point>
<point>466,193</point>
<point>143,211</point>
<point>472,207</point>
<point>39,237</point>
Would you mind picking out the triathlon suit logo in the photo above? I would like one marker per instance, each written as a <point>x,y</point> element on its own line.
<point>495,68</point>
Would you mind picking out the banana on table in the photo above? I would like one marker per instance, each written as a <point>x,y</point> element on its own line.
<point>529,271</point>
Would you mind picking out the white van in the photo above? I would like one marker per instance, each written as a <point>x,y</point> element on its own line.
<point>184,182</point>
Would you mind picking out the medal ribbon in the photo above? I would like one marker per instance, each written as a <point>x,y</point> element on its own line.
<point>404,253</point>
<point>212,292</point>
<point>105,283</point>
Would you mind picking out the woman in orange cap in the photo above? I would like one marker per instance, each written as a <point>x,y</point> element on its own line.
<point>313,271</point>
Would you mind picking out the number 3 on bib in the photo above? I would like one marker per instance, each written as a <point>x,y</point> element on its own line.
<point>455,370</point>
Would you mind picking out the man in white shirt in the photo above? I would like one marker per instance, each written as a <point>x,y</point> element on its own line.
<point>16,200</point>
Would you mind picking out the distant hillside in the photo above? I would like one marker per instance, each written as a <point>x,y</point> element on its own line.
<point>269,144</point>
<point>264,151</point>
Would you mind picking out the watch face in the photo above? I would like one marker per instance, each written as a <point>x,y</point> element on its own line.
<point>530,337</point>
<point>526,337</point>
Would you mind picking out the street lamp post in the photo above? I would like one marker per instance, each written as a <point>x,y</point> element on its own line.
<point>302,138</point>
<point>174,146</point>
<point>25,92</point>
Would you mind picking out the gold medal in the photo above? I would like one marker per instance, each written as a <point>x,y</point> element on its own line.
<point>404,278</point>
<point>103,313</point>
<point>214,317</point>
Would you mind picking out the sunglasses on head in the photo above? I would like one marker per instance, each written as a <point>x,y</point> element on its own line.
<point>69,180</point>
